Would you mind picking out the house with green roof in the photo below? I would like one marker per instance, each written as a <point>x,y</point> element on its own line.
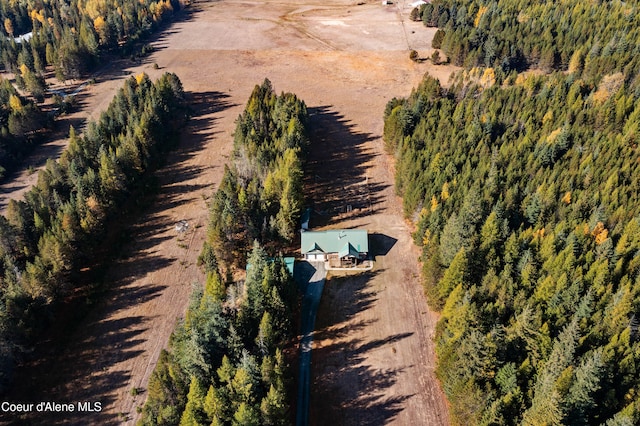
<point>340,247</point>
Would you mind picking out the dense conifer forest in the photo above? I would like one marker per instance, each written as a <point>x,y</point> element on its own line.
<point>594,38</point>
<point>525,194</point>
<point>64,225</point>
<point>68,38</point>
<point>225,363</point>
<point>71,35</point>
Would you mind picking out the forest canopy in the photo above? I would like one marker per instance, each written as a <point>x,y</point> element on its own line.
<point>526,202</point>
<point>525,194</point>
<point>595,38</point>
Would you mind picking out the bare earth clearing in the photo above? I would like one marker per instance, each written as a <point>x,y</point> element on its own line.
<point>373,357</point>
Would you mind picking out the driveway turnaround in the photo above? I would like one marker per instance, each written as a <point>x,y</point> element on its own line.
<point>312,289</point>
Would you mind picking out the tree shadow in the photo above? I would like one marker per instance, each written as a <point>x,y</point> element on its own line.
<point>96,353</point>
<point>202,107</point>
<point>176,178</point>
<point>302,273</point>
<point>159,38</point>
<point>380,244</point>
<point>344,297</point>
<point>337,184</point>
<point>346,390</point>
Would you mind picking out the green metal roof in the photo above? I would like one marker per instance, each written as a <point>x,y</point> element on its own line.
<point>288,262</point>
<point>348,250</point>
<point>335,241</point>
<point>316,249</point>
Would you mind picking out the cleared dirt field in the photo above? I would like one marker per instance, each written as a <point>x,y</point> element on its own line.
<point>373,355</point>
<point>373,359</point>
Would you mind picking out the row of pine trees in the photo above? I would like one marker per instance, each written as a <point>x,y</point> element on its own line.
<point>67,219</point>
<point>225,364</point>
<point>260,196</point>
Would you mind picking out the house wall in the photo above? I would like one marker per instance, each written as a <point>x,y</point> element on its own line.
<point>316,257</point>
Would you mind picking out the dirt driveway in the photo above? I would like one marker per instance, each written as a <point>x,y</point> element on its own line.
<point>346,60</point>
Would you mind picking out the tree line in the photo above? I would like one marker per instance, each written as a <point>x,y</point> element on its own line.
<point>260,196</point>
<point>225,364</point>
<point>71,35</point>
<point>593,37</point>
<point>63,226</point>
<point>21,126</point>
<point>525,199</point>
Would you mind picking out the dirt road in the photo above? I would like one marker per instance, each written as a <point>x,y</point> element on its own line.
<point>346,61</point>
<point>311,294</point>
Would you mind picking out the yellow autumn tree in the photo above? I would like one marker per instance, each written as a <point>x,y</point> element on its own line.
<point>445,191</point>
<point>481,11</point>
<point>8,26</point>
<point>15,103</point>
<point>100,25</point>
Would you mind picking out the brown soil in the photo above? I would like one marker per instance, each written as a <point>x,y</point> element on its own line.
<point>373,357</point>
<point>373,360</point>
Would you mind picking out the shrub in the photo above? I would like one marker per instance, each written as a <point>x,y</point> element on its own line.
<point>436,43</point>
<point>435,57</point>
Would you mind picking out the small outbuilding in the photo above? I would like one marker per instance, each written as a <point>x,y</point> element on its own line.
<point>341,247</point>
